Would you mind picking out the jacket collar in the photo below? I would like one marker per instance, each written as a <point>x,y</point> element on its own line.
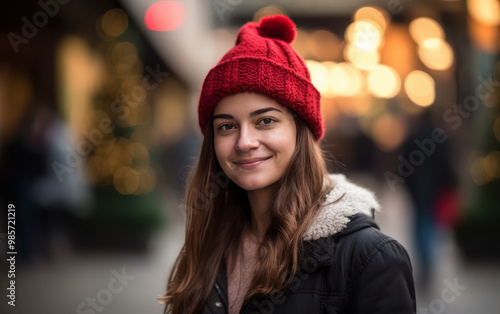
<point>345,200</point>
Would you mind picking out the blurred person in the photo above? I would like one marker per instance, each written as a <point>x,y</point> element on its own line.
<point>267,228</point>
<point>48,205</point>
<point>428,185</point>
<point>23,164</point>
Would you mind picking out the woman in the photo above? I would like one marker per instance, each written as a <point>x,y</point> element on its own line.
<point>268,230</point>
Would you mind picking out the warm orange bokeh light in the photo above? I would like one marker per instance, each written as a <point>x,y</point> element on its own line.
<point>420,88</point>
<point>364,60</point>
<point>389,131</point>
<point>485,37</point>
<point>399,51</point>
<point>384,82</point>
<point>436,54</point>
<point>126,180</point>
<point>114,22</point>
<point>319,75</point>
<point>365,35</point>
<point>371,13</point>
<point>425,28</point>
<point>345,79</point>
<point>485,11</point>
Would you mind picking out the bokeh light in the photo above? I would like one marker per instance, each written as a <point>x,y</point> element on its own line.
<point>319,75</point>
<point>126,180</point>
<point>365,35</point>
<point>147,181</point>
<point>491,167</point>
<point>373,14</point>
<point>486,169</point>
<point>399,50</point>
<point>485,37</point>
<point>328,65</point>
<point>494,157</point>
<point>436,54</point>
<point>425,28</point>
<point>124,54</point>
<point>389,131</point>
<point>420,88</point>
<point>165,16</point>
<point>384,82</point>
<point>485,11</point>
<point>364,60</point>
<point>345,79</point>
<point>81,74</point>
<point>114,22</point>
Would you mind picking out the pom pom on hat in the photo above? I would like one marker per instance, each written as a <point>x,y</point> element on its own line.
<point>277,27</point>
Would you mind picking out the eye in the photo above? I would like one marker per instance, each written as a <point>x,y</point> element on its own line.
<point>267,121</point>
<point>226,127</point>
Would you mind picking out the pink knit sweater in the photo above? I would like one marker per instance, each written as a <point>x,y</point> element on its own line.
<point>241,267</point>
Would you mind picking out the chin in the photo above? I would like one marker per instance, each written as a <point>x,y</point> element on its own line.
<point>251,184</point>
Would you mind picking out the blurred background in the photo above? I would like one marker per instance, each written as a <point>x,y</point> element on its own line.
<point>98,131</point>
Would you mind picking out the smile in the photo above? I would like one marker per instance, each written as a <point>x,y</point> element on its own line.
<point>251,162</point>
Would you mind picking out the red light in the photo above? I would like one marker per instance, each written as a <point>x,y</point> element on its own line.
<point>164,16</point>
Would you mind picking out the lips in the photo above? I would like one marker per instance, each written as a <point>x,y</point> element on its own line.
<point>250,162</point>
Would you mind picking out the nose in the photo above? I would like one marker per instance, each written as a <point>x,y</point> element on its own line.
<point>247,140</point>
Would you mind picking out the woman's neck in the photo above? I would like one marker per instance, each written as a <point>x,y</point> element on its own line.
<point>259,204</point>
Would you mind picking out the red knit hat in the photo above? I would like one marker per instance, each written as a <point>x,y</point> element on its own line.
<point>263,62</point>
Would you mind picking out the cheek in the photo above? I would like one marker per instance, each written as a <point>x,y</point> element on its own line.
<point>222,150</point>
<point>285,143</point>
<point>218,152</point>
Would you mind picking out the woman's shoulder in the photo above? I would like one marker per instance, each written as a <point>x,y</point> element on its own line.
<point>356,245</point>
<point>363,240</point>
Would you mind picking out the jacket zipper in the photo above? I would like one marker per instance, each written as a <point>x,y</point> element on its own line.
<point>221,294</point>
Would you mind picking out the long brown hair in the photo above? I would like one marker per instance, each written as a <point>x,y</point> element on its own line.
<point>217,211</point>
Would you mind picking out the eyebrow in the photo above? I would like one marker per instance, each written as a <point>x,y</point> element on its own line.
<point>252,114</point>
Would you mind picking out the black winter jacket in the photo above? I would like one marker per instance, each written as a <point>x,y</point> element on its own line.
<point>348,266</point>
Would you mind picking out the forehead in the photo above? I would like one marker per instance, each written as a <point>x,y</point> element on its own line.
<point>246,103</point>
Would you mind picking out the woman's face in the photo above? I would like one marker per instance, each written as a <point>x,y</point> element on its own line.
<point>254,139</point>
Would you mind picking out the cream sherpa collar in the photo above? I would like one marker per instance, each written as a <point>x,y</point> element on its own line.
<point>334,216</point>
